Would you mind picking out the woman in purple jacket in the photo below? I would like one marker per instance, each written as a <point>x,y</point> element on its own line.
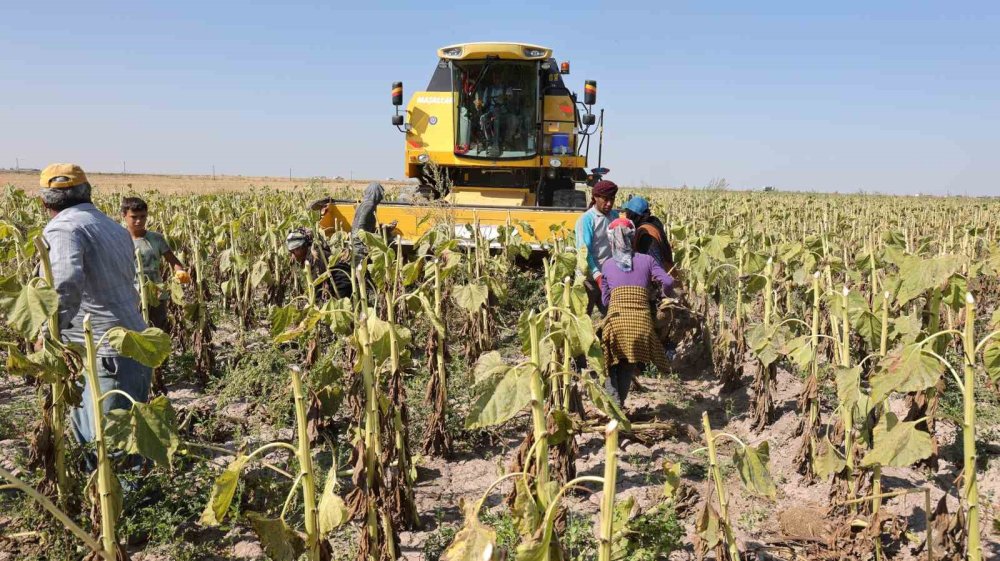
<point>628,337</point>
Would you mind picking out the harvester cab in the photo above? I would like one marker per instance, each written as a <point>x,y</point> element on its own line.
<point>495,139</point>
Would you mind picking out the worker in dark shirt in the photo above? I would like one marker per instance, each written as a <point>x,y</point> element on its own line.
<point>650,236</point>
<point>364,218</point>
<point>303,246</point>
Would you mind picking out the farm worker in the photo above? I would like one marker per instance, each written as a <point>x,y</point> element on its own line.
<point>93,270</point>
<point>364,218</point>
<point>592,233</point>
<point>651,239</point>
<point>153,249</point>
<point>628,337</point>
<point>304,247</point>
<point>650,236</point>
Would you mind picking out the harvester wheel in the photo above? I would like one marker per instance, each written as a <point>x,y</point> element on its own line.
<point>569,198</point>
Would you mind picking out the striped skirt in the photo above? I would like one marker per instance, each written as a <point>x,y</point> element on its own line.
<point>628,333</point>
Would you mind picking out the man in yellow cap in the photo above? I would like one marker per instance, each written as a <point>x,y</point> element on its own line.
<point>93,269</point>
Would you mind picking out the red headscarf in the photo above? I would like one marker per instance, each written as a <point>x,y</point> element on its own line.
<point>605,189</point>
<point>619,222</point>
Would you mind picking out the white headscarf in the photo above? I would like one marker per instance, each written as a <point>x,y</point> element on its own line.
<point>620,234</point>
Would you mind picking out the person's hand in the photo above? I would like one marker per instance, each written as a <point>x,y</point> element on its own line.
<point>390,228</point>
<point>182,276</point>
<point>478,103</point>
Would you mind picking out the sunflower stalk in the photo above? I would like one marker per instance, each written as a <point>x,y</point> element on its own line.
<point>59,389</point>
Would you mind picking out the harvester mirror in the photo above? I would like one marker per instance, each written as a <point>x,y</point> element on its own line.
<point>397,94</point>
<point>397,120</point>
<point>588,119</point>
<point>590,92</point>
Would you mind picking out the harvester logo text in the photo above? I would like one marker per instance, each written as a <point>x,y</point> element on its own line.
<point>433,99</point>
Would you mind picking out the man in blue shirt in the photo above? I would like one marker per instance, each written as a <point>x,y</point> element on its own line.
<point>93,270</point>
<point>592,234</point>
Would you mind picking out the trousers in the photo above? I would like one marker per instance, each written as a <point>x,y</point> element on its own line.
<point>113,373</point>
<point>158,316</point>
<point>594,298</point>
<point>620,380</point>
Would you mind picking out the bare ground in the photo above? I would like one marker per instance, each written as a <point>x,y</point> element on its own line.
<point>762,526</point>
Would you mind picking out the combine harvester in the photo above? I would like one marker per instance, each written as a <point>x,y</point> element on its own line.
<point>496,139</point>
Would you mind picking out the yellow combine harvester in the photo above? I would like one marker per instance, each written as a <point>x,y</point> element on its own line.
<point>495,139</point>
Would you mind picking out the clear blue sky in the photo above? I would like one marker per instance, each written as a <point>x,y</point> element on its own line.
<point>895,97</point>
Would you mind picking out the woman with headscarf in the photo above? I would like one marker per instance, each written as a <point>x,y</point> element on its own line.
<point>650,235</point>
<point>628,335</point>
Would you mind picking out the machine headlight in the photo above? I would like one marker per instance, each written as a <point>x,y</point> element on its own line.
<point>533,53</point>
<point>555,162</point>
<point>453,51</point>
<point>546,66</point>
<point>423,158</point>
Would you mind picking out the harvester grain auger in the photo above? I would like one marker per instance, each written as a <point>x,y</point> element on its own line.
<point>496,139</point>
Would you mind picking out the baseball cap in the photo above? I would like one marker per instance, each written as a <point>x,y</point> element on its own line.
<point>296,239</point>
<point>637,205</point>
<point>62,176</point>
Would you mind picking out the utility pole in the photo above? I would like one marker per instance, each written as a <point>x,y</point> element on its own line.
<point>123,167</point>
<point>289,174</point>
<point>213,172</point>
<point>17,165</point>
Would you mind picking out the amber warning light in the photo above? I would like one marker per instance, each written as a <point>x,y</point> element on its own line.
<point>564,67</point>
<point>590,92</point>
<point>397,93</point>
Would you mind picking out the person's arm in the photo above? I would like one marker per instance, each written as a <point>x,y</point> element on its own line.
<point>585,238</point>
<point>653,250</point>
<point>665,280</point>
<point>180,272</point>
<point>174,262</point>
<point>668,257</point>
<point>605,289</point>
<point>66,254</point>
